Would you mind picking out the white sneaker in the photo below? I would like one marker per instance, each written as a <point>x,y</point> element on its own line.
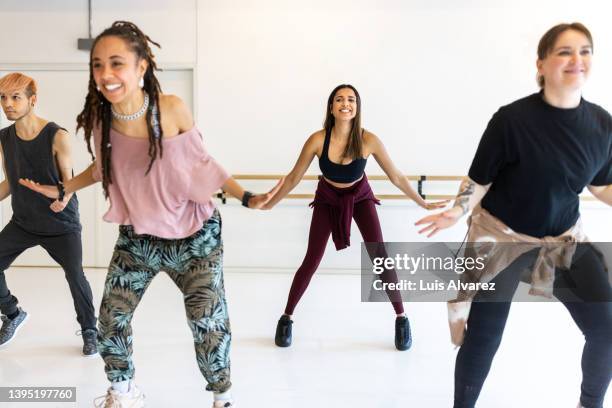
<point>134,398</point>
<point>224,404</point>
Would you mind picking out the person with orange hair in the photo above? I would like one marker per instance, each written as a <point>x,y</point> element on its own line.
<point>37,148</point>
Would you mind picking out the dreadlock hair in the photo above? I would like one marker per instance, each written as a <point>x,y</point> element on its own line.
<point>354,146</point>
<point>97,109</point>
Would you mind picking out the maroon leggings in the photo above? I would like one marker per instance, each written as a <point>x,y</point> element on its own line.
<point>366,218</point>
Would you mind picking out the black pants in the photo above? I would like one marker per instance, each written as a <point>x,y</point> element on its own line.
<point>584,290</point>
<point>66,250</point>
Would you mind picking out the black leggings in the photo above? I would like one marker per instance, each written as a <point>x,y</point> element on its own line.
<point>588,302</point>
<point>66,250</point>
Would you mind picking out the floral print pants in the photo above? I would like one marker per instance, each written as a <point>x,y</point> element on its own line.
<point>195,264</point>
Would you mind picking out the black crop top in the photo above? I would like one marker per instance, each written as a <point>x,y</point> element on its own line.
<point>340,173</point>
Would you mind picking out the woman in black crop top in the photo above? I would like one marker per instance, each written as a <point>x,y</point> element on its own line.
<point>343,193</point>
<point>535,156</point>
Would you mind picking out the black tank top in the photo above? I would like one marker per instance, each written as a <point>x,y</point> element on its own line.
<point>33,159</point>
<point>340,173</point>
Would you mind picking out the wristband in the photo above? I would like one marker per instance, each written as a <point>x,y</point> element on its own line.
<point>246,197</point>
<point>61,191</point>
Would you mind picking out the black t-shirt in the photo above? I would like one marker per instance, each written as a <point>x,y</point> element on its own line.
<point>538,159</point>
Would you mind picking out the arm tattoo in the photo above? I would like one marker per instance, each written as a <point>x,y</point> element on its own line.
<point>463,198</point>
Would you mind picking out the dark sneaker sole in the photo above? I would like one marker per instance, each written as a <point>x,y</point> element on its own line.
<point>403,348</point>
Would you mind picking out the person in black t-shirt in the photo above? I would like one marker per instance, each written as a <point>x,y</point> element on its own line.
<point>536,155</point>
<point>36,148</point>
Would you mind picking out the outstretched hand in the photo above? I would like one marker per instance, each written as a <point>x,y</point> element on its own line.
<point>435,205</point>
<point>46,190</point>
<point>440,221</point>
<point>259,201</point>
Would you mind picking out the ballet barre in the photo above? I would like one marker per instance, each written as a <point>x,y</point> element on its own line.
<point>420,179</point>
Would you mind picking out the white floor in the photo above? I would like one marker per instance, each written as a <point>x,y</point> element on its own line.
<point>342,355</point>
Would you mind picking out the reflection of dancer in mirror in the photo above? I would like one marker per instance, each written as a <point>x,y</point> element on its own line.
<point>159,180</point>
<point>36,148</point>
<point>534,158</point>
<point>343,193</point>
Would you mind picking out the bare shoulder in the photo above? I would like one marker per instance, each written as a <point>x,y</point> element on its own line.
<point>315,141</point>
<point>170,103</point>
<point>62,133</point>
<point>175,113</point>
<point>61,142</point>
<point>369,137</point>
<point>61,136</point>
<point>317,137</point>
<point>371,143</point>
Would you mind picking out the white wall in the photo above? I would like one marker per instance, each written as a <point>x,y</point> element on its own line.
<point>430,74</point>
<point>46,31</point>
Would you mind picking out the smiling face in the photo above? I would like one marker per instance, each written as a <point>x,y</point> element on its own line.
<point>116,69</point>
<point>16,104</point>
<point>344,104</point>
<point>567,65</point>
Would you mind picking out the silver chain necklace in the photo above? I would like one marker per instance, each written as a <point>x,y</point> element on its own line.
<point>134,115</point>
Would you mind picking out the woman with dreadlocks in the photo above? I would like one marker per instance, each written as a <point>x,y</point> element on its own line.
<point>159,180</point>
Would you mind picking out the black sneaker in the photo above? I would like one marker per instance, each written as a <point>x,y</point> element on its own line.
<point>11,327</point>
<point>90,342</point>
<point>403,337</point>
<point>283,331</point>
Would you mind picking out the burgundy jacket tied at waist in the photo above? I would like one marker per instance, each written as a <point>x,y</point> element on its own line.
<point>340,203</point>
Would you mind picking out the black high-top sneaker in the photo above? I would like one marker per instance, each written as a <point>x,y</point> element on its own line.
<point>283,331</point>
<point>403,337</point>
<point>90,342</point>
